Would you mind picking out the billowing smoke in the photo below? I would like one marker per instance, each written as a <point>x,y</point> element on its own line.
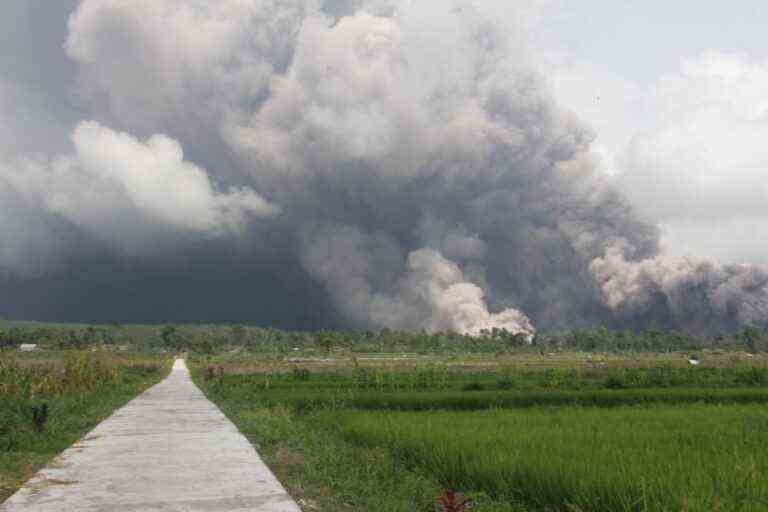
<point>401,157</point>
<point>699,295</point>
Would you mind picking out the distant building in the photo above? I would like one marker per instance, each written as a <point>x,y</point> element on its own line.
<point>28,347</point>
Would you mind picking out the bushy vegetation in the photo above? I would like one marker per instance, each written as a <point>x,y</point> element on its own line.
<point>77,371</point>
<point>48,401</point>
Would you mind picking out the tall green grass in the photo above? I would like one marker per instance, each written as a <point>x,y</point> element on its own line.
<point>307,400</point>
<point>321,469</point>
<point>442,378</point>
<point>648,459</point>
<point>79,390</point>
<point>540,444</point>
<point>438,389</point>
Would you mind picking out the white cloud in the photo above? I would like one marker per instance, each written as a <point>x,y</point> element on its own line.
<point>132,192</point>
<point>701,169</point>
<point>611,104</point>
<point>688,152</point>
<point>730,239</point>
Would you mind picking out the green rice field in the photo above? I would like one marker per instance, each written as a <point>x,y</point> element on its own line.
<point>656,458</point>
<point>616,438</point>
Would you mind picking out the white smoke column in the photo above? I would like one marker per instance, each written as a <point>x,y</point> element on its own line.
<point>435,295</point>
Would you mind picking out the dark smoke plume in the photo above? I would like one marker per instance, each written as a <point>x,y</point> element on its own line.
<point>400,158</point>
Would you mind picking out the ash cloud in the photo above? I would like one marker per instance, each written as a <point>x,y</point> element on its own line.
<point>378,163</point>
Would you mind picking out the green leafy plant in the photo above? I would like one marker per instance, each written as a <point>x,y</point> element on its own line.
<point>40,416</point>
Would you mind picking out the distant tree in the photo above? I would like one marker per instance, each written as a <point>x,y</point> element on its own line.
<point>5,340</point>
<point>169,336</point>
<point>90,336</point>
<point>72,340</point>
<point>326,340</point>
<point>204,347</point>
<point>238,334</point>
<point>751,335</point>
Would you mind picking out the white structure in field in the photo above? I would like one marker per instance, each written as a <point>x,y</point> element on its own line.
<point>28,347</point>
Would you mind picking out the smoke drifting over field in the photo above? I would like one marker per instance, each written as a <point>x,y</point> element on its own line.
<point>399,161</point>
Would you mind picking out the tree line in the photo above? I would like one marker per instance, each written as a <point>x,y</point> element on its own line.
<point>214,338</point>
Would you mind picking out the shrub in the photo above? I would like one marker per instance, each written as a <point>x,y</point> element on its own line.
<point>9,426</point>
<point>614,382</point>
<point>40,416</point>
<point>301,374</point>
<point>562,377</point>
<point>750,375</point>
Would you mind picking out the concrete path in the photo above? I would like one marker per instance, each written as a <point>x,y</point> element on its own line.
<point>170,449</point>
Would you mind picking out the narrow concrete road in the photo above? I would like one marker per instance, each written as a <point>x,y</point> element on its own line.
<point>170,449</point>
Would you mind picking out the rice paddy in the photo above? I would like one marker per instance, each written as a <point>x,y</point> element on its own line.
<point>655,458</point>
<point>619,437</point>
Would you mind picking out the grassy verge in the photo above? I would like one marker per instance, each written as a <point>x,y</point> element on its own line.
<point>72,411</point>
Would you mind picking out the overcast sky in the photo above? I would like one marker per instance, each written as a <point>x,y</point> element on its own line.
<point>678,95</point>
